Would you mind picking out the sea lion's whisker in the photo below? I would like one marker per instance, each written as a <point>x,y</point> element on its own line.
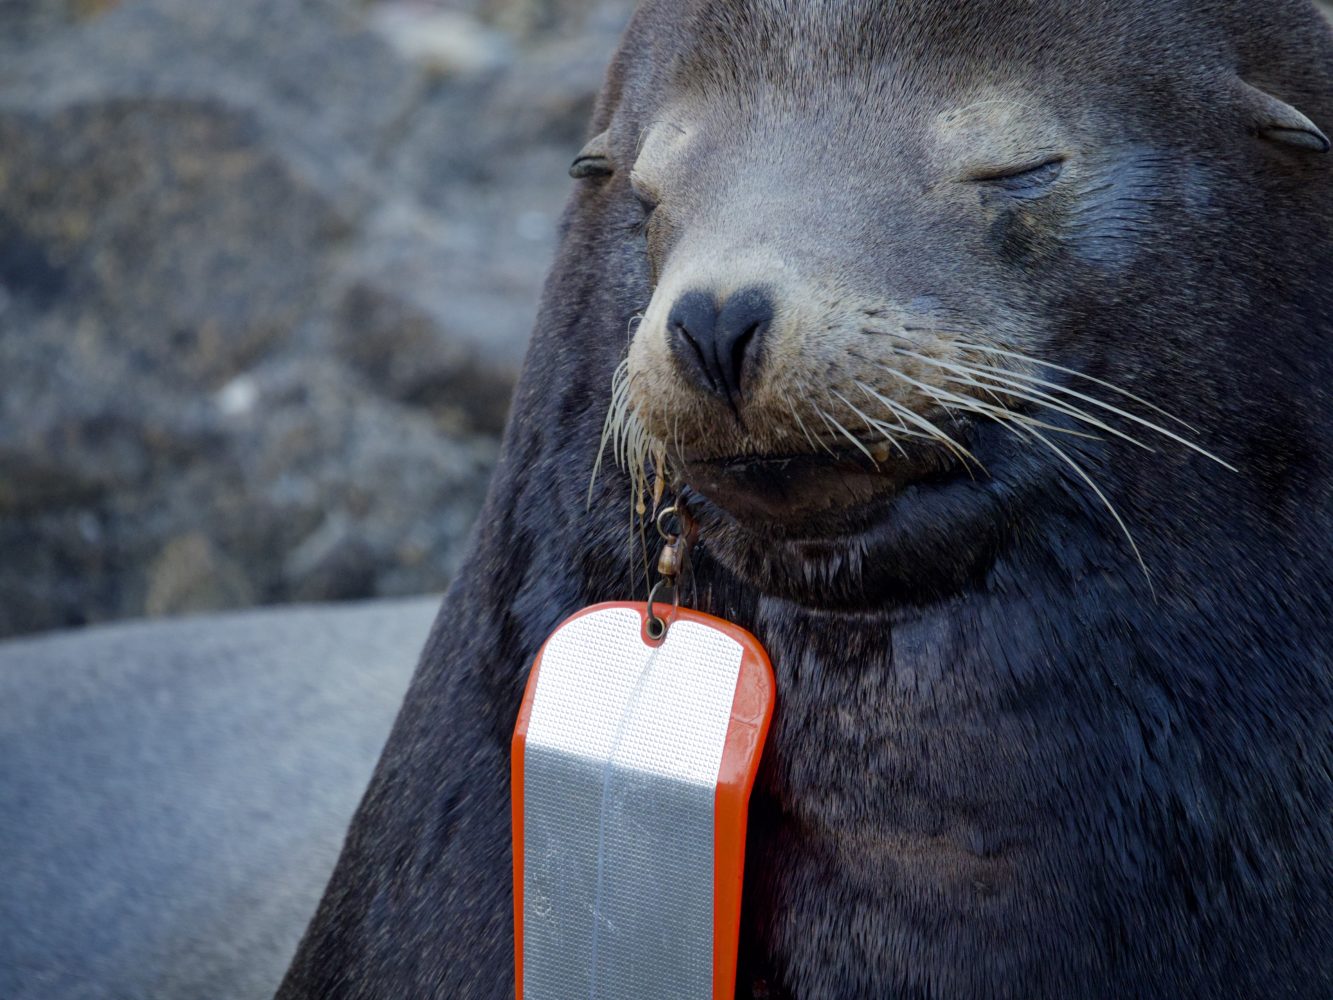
<point>661,473</point>
<point>1127,415</point>
<point>801,424</point>
<point>1018,356</point>
<point>836,428</point>
<point>873,424</point>
<point>824,417</point>
<point>971,403</point>
<point>965,375</point>
<point>1021,428</point>
<point>626,436</point>
<point>610,426</point>
<point>899,426</point>
<point>849,435</point>
<point>1082,474</point>
<point>904,412</point>
<point>1002,352</point>
<point>832,441</point>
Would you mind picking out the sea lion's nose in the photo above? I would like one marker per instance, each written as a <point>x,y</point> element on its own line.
<point>718,348</point>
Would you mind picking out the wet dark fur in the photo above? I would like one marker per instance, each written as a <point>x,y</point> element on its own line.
<point>1032,778</point>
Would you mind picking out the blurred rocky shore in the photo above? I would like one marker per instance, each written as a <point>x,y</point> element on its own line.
<point>267,273</point>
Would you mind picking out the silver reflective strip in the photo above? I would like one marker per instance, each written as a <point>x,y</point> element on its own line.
<point>620,768</point>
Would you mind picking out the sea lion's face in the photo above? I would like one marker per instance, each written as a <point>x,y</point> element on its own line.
<point>871,267</point>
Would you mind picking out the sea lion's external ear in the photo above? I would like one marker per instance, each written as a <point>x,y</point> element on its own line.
<point>1278,121</point>
<point>594,160</point>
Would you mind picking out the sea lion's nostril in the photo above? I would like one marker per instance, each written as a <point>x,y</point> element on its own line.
<point>692,325</point>
<point>746,317</point>
<point>717,349</point>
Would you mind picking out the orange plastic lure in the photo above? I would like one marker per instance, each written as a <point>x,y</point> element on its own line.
<point>633,761</point>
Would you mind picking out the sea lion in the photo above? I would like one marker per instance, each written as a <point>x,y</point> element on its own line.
<point>990,346</point>
<point>173,794</point>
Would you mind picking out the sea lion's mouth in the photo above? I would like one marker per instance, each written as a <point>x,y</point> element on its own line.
<point>826,493</point>
<point>840,531</point>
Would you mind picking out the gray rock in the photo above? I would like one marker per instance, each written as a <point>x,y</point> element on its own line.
<point>24,22</point>
<point>267,273</point>
<point>451,347</point>
<point>554,17</point>
<point>191,576</point>
<point>443,42</point>
<point>193,248</point>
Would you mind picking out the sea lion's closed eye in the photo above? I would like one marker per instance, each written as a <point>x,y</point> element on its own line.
<point>646,198</point>
<point>1026,179</point>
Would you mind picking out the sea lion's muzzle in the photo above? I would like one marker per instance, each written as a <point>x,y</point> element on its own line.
<point>767,392</point>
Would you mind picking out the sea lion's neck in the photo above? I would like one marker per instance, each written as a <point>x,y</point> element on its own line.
<point>897,720</point>
<point>953,756</point>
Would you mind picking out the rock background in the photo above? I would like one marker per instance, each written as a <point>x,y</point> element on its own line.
<point>267,272</point>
